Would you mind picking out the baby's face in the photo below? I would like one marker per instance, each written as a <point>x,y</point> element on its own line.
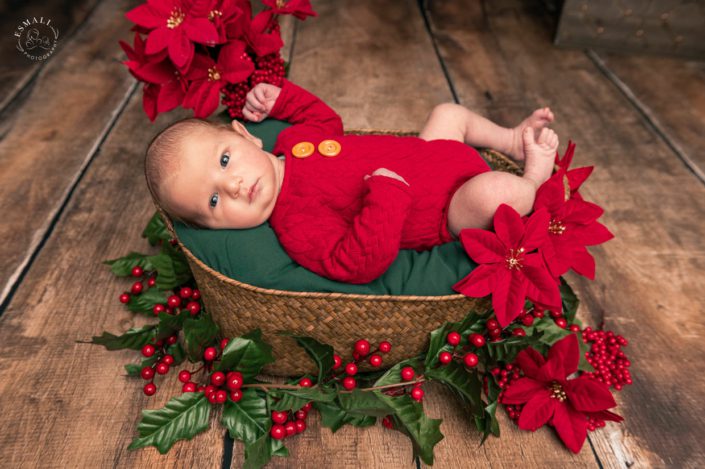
<point>223,180</point>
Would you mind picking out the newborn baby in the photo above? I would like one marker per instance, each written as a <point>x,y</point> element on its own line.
<point>343,205</point>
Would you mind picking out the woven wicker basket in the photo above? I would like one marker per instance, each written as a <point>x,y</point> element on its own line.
<point>337,319</point>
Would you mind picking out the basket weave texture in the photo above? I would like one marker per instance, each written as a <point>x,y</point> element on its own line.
<point>337,319</point>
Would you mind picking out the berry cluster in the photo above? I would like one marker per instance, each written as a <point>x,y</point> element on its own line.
<point>162,364</point>
<point>505,376</point>
<point>361,351</point>
<point>289,423</point>
<point>605,355</point>
<point>268,69</point>
<point>187,297</point>
<point>138,286</point>
<point>475,341</point>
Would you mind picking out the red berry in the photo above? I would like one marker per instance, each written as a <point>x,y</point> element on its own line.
<point>453,338</point>
<point>125,298</point>
<point>337,361</point>
<point>188,387</point>
<point>221,396</point>
<point>168,359</point>
<point>277,431</point>
<point>561,322</point>
<point>307,406</point>
<point>234,381</point>
<point>158,308</point>
<point>209,354</point>
<point>196,295</point>
<point>149,389</point>
<point>574,328</point>
<point>300,426</point>
<point>193,307</point>
<point>407,373</point>
<point>495,333</point>
<point>538,313</point>
<point>519,332</point>
<point>417,394</point>
<point>151,282</point>
<point>148,350</point>
<point>478,340</point>
<point>173,301</point>
<point>212,398</point>
<point>218,378</point>
<point>375,360</point>
<point>470,360</point>
<point>147,372</point>
<point>290,428</point>
<point>527,320</point>
<point>235,395</point>
<point>279,417</point>
<point>162,368</point>
<point>445,357</point>
<point>305,382</point>
<point>362,347</point>
<point>387,422</point>
<point>172,339</point>
<point>351,369</point>
<point>301,414</point>
<point>492,324</point>
<point>385,347</point>
<point>210,389</point>
<point>137,288</point>
<point>349,382</point>
<point>224,343</point>
<point>137,271</point>
<point>185,292</point>
<point>184,376</point>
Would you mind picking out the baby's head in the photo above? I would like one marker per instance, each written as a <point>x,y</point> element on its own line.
<point>213,175</point>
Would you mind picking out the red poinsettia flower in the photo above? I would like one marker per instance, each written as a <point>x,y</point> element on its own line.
<point>573,178</point>
<point>175,25</point>
<point>231,18</point>
<point>261,37</point>
<point>549,396</point>
<point>207,77</point>
<point>573,225</point>
<point>509,270</point>
<point>299,8</point>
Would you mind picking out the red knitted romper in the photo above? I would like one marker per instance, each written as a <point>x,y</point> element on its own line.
<point>338,225</point>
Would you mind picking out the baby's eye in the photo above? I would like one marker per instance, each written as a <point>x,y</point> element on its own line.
<point>224,158</point>
<point>214,200</point>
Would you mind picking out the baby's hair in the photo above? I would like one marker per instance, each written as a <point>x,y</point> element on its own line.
<point>162,157</point>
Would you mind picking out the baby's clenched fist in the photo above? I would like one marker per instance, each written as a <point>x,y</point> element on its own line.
<point>260,101</point>
<point>387,173</point>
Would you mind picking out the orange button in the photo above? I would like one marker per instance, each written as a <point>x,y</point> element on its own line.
<point>302,150</point>
<point>329,148</point>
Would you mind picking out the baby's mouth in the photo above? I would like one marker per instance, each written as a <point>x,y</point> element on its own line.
<point>253,189</point>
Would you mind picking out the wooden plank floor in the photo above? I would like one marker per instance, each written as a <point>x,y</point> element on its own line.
<point>72,195</point>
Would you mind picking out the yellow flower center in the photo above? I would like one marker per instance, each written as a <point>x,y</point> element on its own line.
<point>213,74</point>
<point>557,392</point>
<point>176,18</point>
<point>556,227</point>
<point>214,13</point>
<point>281,3</point>
<point>515,258</point>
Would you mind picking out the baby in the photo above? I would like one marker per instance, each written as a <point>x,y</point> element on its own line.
<point>343,205</point>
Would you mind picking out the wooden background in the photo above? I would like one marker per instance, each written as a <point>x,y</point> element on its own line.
<point>72,135</point>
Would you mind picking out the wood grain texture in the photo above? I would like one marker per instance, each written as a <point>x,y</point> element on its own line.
<point>55,131</point>
<point>16,70</point>
<point>650,277</point>
<point>70,403</point>
<point>671,93</point>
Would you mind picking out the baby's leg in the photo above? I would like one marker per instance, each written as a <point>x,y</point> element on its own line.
<point>455,122</point>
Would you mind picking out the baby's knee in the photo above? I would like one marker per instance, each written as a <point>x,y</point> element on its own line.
<point>505,188</point>
<point>446,110</point>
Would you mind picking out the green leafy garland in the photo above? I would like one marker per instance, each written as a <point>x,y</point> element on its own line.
<point>182,333</point>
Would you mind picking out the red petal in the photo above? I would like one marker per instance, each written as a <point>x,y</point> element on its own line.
<point>157,40</point>
<point>230,60</point>
<point>536,230</point>
<point>482,246</point>
<point>149,100</point>
<point>593,234</point>
<point>479,283</point>
<point>530,361</point>
<point>606,415</point>
<point>542,286</point>
<point>201,30</point>
<point>571,426</point>
<point>583,263</point>
<point>551,194</point>
<point>537,411</point>
<point>508,226</point>
<point>576,177</point>
<point>180,48</point>
<point>565,352</point>
<point>581,212</point>
<point>521,391</point>
<point>508,296</point>
<point>170,96</point>
<point>555,260</point>
<point>588,395</point>
<point>205,100</point>
<point>144,16</point>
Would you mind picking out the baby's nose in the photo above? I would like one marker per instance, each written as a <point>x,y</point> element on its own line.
<point>234,186</point>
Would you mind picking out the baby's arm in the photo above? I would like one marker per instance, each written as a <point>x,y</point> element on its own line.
<point>356,252</point>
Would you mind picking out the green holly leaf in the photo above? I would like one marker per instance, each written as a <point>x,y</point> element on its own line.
<point>550,331</point>
<point>169,324</point>
<point>466,384</point>
<point>156,230</point>
<point>294,399</point>
<point>334,417</point>
<point>248,419</point>
<point>491,424</point>
<point>246,354</point>
<point>363,403</point>
<point>145,301</point>
<point>133,339</point>
<point>199,332</point>
<point>122,266</point>
<point>260,452</point>
<point>178,352</point>
<point>322,354</point>
<point>437,342</point>
<point>570,301</point>
<point>172,267</point>
<point>507,349</point>
<point>182,418</point>
<point>134,369</point>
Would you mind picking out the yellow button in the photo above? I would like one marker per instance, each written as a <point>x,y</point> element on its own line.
<point>302,150</point>
<point>329,148</point>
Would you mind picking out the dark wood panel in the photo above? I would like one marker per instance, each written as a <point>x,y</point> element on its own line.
<point>649,278</point>
<point>52,134</point>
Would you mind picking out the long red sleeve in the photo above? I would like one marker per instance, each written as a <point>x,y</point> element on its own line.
<point>353,252</point>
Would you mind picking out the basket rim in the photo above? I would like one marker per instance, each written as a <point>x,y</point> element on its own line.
<point>307,294</point>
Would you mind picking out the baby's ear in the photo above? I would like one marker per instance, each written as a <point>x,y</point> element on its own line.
<point>239,128</point>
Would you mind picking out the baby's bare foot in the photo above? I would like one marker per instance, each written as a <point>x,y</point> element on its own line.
<point>540,152</point>
<point>538,119</point>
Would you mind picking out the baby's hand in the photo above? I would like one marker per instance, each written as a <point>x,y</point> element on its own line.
<point>260,101</point>
<point>387,173</point>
